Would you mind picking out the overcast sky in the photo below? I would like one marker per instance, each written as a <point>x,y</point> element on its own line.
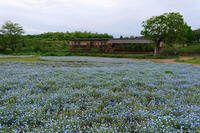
<point>116,17</point>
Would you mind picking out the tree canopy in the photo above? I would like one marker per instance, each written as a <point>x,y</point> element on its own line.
<point>168,28</point>
<point>10,28</point>
<point>10,33</point>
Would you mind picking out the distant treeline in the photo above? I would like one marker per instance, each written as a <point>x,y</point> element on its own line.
<point>61,36</point>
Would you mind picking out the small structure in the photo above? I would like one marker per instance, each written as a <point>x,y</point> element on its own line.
<point>88,43</point>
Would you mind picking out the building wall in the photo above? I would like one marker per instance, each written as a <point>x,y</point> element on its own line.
<point>97,44</point>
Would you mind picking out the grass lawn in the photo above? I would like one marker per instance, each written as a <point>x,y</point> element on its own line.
<point>32,58</point>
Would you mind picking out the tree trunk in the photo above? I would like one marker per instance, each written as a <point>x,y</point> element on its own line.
<point>155,51</point>
<point>156,48</point>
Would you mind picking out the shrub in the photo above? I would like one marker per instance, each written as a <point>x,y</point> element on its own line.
<point>135,47</point>
<point>189,50</point>
<point>64,44</point>
<point>1,49</point>
<point>7,51</point>
<point>95,50</point>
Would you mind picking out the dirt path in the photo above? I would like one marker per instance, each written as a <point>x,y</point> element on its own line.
<point>168,60</point>
<point>159,60</point>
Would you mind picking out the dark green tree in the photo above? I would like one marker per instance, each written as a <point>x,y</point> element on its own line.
<point>11,33</point>
<point>197,34</point>
<point>168,28</point>
<point>190,35</point>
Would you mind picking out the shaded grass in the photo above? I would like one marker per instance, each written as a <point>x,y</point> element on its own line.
<point>112,55</point>
<point>138,56</point>
<point>34,58</point>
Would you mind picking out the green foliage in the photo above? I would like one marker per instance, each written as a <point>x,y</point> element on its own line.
<point>169,72</point>
<point>135,47</point>
<point>185,36</point>
<point>138,56</point>
<point>41,46</point>
<point>50,42</point>
<point>188,50</point>
<point>11,33</point>
<point>95,50</point>
<point>197,34</point>
<point>61,36</point>
<point>1,49</point>
<point>7,51</point>
<point>64,44</point>
<point>11,38</point>
<point>168,28</point>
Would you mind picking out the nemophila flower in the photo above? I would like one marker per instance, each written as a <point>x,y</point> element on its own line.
<point>79,94</point>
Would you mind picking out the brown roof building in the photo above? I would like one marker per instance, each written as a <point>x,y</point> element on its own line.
<point>110,45</point>
<point>105,41</point>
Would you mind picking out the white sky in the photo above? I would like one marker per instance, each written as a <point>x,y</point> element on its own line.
<point>116,17</point>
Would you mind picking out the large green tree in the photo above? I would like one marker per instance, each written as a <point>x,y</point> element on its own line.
<point>11,33</point>
<point>168,28</point>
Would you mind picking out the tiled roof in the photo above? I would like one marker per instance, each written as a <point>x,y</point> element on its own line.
<point>129,41</point>
<point>116,41</point>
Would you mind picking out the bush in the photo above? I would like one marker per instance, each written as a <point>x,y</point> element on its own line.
<point>64,44</point>
<point>95,50</point>
<point>135,47</point>
<point>1,49</point>
<point>7,51</point>
<point>68,54</point>
<point>189,50</point>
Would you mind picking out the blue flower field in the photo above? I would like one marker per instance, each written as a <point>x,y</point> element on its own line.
<point>88,94</point>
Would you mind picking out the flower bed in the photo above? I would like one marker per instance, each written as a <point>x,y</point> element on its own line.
<point>74,94</point>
